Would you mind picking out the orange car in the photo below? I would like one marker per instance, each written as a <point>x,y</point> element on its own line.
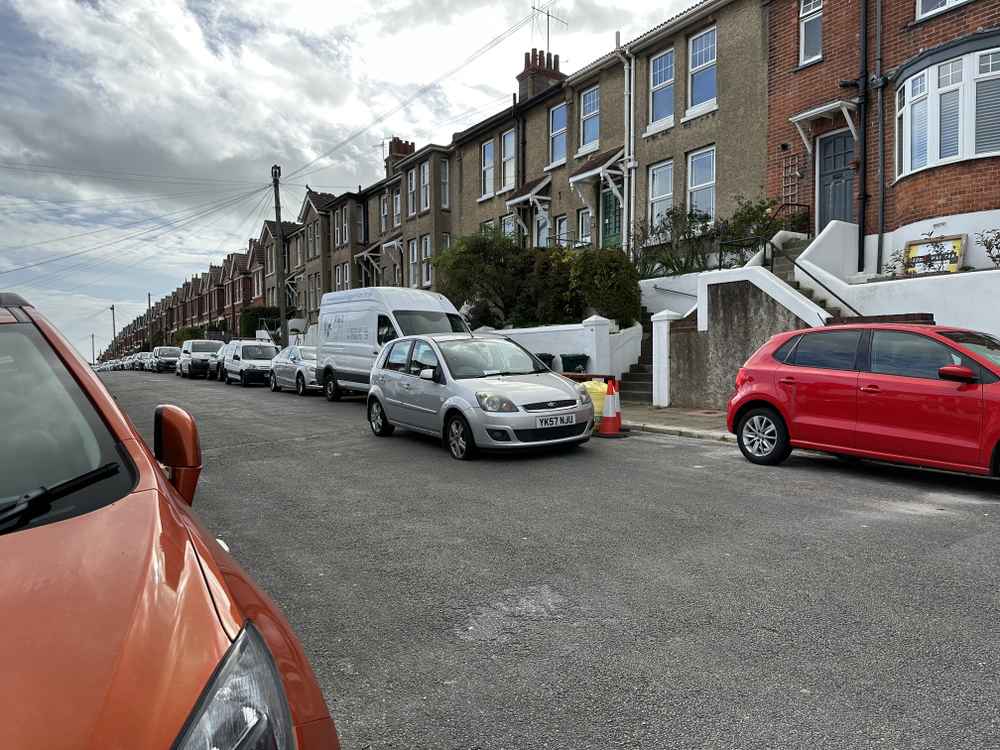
<point>123,623</point>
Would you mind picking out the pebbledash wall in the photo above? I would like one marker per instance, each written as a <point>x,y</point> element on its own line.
<point>943,180</point>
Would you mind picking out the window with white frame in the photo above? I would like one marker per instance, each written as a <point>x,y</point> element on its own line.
<point>384,216</point>
<point>949,112</point>
<point>397,208</point>
<point>411,192</point>
<point>486,178</point>
<point>557,134</point>
<point>562,230</point>
<point>661,88</point>
<point>590,117</point>
<point>346,218</point>
<point>810,31</point>
<point>583,236</point>
<point>347,275</point>
<point>426,255</point>
<point>336,227</point>
<point>661,195</point>
<point>508,154</point>
<point>701,78</point>
<point>542,229</point>
<point>701,182</point>
<point>336,278</point>
<point>310,240</point>
<point>487,227</point>
<point>414,264</point>
<point>927,8</point>
<point>445,240</point>
<point>507,225</point>
<point>425,186</point>
<point>445,187</point>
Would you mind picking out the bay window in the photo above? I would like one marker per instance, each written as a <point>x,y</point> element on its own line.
<point>444,183</point>
<point>425,186</point>
<point>414,264</point>
<point>949,112</point>
<point>411,192</point>
<point>425,255</point>
<point>583,236</point>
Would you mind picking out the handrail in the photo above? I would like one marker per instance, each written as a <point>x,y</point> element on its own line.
<point>803,208</point>
<point>767,243</point>
<point>661,290</point>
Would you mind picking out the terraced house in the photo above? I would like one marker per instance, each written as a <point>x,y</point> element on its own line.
<point>311,252</point>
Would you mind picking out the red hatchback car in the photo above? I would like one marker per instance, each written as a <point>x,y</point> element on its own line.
<point>914,394</point>
<point>125,623</point>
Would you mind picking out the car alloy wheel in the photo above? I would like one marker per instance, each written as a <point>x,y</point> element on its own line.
<point>377,419</point>
<point>763,437</point>
<point>300,385</point>
<point>459,438</point>
<point>273,383</point>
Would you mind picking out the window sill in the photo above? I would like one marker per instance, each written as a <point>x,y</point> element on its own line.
<point>504,191</point>
<point>555,165</point>
<point>700,111</point>
<point>808,64</point>
<point>935,13</point>
<point>486,197</point>
<point>588,149</point>
<point>658,127</point>
<point>424,211</point>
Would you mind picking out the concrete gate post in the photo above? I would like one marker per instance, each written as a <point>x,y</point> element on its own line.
<point>661,356</point>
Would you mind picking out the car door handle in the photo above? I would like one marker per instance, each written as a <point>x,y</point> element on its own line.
<point>787,381</point>
<point>406,386</point>
<point>870,389</point>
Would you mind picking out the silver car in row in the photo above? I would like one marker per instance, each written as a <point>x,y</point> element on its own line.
<point>475,392</point>
<point>295,367</point>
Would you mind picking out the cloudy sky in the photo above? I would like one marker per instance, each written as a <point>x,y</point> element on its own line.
<point>136,137</point>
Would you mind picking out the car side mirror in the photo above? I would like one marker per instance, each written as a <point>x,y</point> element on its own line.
<point>958,373</point>
<point>177,447</point>
<point>428,373</point>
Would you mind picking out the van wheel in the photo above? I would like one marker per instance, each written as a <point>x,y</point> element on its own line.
<point>243,380</point>
<point>377,419</point>
<point>330,388</point>
<point>763,437</point>
<point>458,438</point>
<point>300,385</point>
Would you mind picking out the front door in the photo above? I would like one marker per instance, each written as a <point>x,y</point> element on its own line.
<point>906,410</point>
<point>611,220</point>
<point>835,179</point>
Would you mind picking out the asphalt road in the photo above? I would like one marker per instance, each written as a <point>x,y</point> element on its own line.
<point>652,592</point>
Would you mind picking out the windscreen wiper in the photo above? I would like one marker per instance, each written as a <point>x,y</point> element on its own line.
<point>11,507</point>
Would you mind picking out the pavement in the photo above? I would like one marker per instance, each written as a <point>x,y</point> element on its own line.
<point>706,424</point>
<point>652,592</point>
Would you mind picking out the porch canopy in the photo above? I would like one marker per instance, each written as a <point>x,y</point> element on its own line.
<point>600,168</point>
<point>531,195</point>
<point>803,121</point>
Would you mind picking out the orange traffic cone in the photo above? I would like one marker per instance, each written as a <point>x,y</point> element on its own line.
<point>611,421</point>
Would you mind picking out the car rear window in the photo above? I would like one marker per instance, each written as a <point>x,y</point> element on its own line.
<point>259,351</point>
<point>833,350</point>
<point>205,346</point>
<point>167,351</point>
<point>51,433</point>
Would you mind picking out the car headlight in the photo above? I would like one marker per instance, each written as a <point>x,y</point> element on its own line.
<point>244,705</point>
<point>495,402</point>
<point>584,395</point>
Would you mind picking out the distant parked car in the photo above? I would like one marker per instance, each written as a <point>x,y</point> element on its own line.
<point>144,361</point>
<point>165,358</point>
<point>249,362</point>
<point>295,367</point>
<point>195,357</point>
<point>923,395</point>
<point>475,392</point>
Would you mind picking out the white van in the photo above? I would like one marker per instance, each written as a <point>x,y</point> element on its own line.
<point>355,324</point>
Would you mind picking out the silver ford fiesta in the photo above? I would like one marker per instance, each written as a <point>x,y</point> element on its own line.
<point>475,392</point>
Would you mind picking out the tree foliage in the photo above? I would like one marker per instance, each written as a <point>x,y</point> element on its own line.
<point>609,283</point>
<point>192,332</point>
<point>251,317</point>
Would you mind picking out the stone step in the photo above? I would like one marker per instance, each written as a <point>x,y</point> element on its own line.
<point>640,368</point>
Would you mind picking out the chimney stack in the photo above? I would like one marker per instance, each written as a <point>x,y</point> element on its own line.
<point>398,150</point>
<point>541,71</point>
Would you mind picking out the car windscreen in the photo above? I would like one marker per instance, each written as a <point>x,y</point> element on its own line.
<point>167,351</point>
<point>478,358</point>
<point>205,346</point>
<point>259,351</point>
<point>51,434</point>
<point>307,352</point>
<point>414,322</point>
<point>981,343</point>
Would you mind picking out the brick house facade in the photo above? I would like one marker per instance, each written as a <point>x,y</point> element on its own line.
<point>348,232</point>
<point>314,250</point>
<point>931,157</point>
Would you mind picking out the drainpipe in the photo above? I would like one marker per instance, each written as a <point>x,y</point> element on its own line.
<point>863,136</point>
<point>880,104</point>
<point>522,125</point>
<point>627,66</point>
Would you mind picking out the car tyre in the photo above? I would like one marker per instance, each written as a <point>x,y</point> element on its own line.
<point>377,419</point>
<point>330,388</point>
<point>243,380</point>
<point>222,377</point>
<point>763,437</point>
<point>458,438</point>
<point>272,381</point>
<point>300,385</point>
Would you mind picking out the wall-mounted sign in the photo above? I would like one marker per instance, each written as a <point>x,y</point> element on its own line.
<point>934,254</point>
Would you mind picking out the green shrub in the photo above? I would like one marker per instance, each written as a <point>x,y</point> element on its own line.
<point>183,334</point>
<point>609,283</point>
<point>250,319</point>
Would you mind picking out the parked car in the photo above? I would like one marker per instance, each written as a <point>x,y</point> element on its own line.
<point>144,361</point>
<point>355,324</point>
<point>914,394</point>
<point>195,355</point>
<point>165,358</point>
<point>475,392</point>
<point>126,624</point>
<point>295,367</point>
<point>248,362</point>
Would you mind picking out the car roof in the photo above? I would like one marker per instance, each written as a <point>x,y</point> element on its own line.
<point>458,336</point>
<point>911,327</point>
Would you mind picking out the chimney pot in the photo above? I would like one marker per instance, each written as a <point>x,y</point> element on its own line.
<point>527,60</point>
<point>555,63</point>
<point>548,60</point>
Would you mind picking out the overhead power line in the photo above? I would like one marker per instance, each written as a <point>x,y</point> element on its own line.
<point>117,175</point>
